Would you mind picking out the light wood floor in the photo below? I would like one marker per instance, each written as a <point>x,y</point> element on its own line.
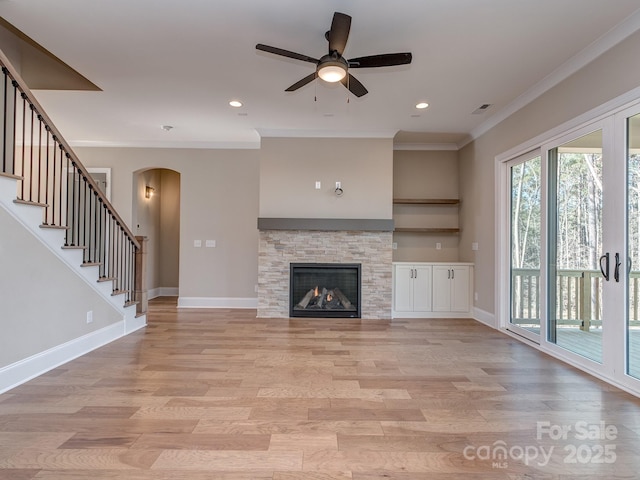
<point>219,394</point>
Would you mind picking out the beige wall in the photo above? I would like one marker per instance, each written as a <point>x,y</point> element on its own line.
<point>44,303</point>
<point>169,272</point>
<point>612,74</point>
<point>218,201</point>
<point>289,168</point>
<point>425,174</point>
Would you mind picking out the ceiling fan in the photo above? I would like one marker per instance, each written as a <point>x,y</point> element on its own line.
<point>333,67</point>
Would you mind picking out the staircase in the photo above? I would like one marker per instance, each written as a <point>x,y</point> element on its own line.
<point>45,188</point>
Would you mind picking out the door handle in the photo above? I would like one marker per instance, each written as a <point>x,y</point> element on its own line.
<point>616,271</point>
<point>605,270</point>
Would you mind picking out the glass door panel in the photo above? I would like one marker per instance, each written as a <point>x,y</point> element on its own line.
<point>575,246</point>
<point>633,246</point>
<point>525,181</point>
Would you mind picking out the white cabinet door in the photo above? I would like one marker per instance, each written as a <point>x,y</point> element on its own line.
<point>422,289</point>
<point>441,288</point>
<point>460,301</point>
<point>403,288</point>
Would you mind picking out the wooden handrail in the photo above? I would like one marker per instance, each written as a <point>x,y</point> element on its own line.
<point>24,89</point>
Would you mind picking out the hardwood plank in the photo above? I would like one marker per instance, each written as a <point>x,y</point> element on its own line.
<point>203,394</point>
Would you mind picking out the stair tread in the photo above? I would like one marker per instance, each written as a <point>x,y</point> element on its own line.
<point>73,247</point>
<point>119,292</point>
<point>54,227</point>
<point>29,202</point>
<point>106,279</point>
<point>11,175</point>
<point>91,264</point>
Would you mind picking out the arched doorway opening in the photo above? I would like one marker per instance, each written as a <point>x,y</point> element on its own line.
<point>156,215</point>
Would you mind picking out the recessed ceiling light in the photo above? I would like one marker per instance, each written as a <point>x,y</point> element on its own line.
<point>422,105</point>
<point>235,103</point>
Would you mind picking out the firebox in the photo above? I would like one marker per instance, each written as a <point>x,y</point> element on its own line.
<point>324,290</point>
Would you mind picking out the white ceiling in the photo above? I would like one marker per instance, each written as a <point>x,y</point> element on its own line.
<point>179,63</point>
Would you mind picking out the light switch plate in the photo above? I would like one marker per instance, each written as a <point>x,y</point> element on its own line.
<point>197,243</point>
<point>210,243</point>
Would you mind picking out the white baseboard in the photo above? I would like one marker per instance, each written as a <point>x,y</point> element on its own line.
<point>487,318</point>
<point>217,302</point>
<point>162,292</point>
<point>24,370</point>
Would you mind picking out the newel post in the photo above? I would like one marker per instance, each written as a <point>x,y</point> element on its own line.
<point>142,296</point>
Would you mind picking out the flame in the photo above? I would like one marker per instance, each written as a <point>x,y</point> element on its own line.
<point>316,292</point>
<point>329,297</point>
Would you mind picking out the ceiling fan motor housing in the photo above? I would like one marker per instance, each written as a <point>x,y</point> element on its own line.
<point>332,67</point>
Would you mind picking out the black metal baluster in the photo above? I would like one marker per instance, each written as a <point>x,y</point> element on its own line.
<point>5,118</point>
<point>40,196</point>
<point>62,182</point>
<point>24,116</point>
<point>82,216</point>
<point>32,175</point>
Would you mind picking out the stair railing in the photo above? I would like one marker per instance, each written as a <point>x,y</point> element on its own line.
<point>50,174</point>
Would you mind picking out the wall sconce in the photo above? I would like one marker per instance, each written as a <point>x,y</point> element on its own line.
<point>149,191</point>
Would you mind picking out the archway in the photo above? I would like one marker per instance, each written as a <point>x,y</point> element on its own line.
<point>156,215</point>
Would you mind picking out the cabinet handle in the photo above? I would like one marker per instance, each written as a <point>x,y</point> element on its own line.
<point>448,274</point>
<point>411,273</point>
<point>416,270</point>
<point>453,274</point>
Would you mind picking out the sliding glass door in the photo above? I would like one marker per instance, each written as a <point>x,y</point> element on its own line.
<point>577,263</point>
<point>525,183</point>
<point>633,245</point>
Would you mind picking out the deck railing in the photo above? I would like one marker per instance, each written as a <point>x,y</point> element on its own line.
<point>578,297</point>
<point>49,174</point>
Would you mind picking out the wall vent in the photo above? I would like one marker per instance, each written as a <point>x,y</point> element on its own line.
<point>481,109</point>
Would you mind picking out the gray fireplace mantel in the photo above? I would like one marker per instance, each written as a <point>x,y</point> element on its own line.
<point>327,224</point>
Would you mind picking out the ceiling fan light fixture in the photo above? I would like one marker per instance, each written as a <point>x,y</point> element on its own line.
<point>332,72</point>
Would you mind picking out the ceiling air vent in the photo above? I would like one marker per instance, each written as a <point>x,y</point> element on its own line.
<point>481,109</point>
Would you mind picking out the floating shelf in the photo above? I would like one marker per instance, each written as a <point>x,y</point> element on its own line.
<point>426,201</point>
<point>426,230</point>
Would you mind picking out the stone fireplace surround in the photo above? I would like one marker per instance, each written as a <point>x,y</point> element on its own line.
<point>288,240</point>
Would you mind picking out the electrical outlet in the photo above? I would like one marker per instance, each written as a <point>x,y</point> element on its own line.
<point>394,245</point>
<point>438,246</point>
<point>90,316</point>
<point>318,185</point>
<point>474,246</point>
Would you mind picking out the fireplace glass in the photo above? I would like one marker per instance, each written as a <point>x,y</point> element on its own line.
<point>324,290</point>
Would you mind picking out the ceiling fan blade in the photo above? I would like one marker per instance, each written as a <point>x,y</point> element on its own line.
<point>339,32</point>
<point>384,60</point>
<point>303,82</point>
<point>286,53</point>
<point>354,85</point>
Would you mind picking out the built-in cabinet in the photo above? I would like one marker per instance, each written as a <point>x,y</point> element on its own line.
<point>413,287</point>
<point>428,290</point>
<point>451,288</point>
